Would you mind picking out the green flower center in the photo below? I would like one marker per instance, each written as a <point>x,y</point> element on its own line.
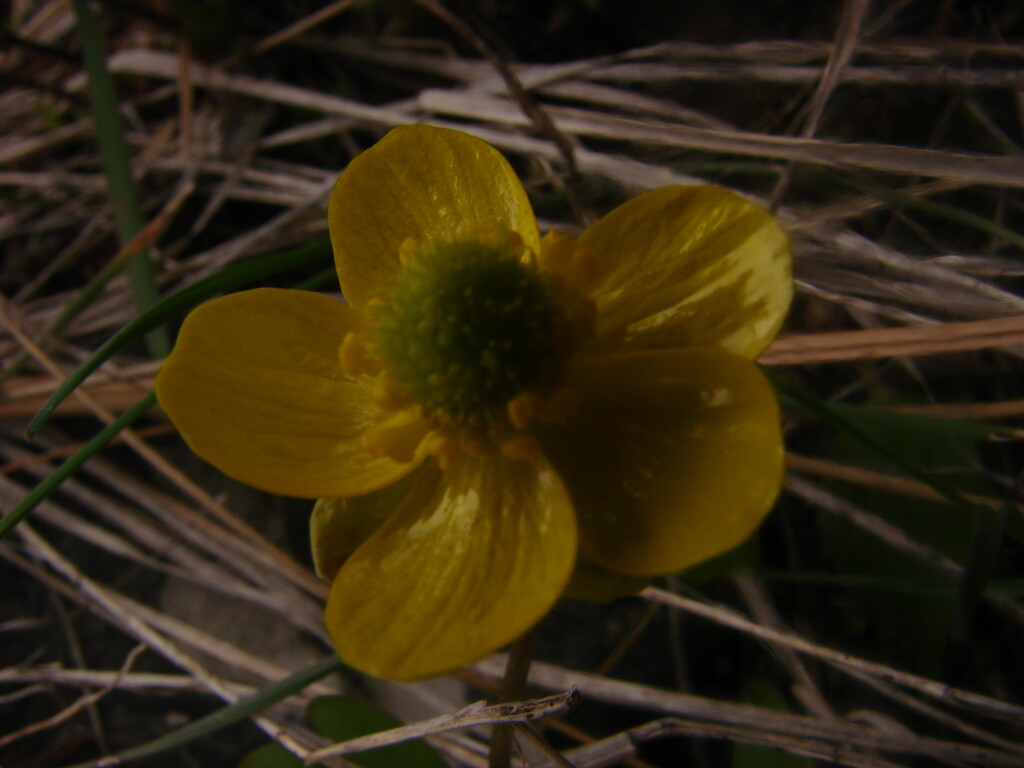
<point>465,328</point>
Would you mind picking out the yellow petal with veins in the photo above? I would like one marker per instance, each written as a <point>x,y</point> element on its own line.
<point>425,183</point>
<point>470,560</point>
<point>255,387</point>
<point>339,526</point>
<point>399,436</point>
<point>594,584</point>
<point>674,457</point>
<point>690,266</point>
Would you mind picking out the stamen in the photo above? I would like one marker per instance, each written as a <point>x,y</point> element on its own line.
<point>388,396</point>
<point>467,326</point>
<point>497,238</point>
<point>469,346</point>
<point>398,437</point>
<point>408,250</point>
<point>478,447</point>
<point>372,309</point>
<point>580,315</point>
<point>523,408</point>
<point>555,250</point>
<point>521,448</point>
<point>357,358</point>
<point>584,264</point>
<point>558,408</point>
<point>442,448</point>
<point>563,256</point>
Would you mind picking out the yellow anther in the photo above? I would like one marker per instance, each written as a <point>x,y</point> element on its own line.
<point>555,251</point>
<point>521,409</point>
<point>582,316</point>
<point>479,447</point>
<point>556,409</point>
<point>408,250</point>
<point>387,396</point>
<point>521,448</point>
<point>500,239</point>
<point>397,437</point>
<point>562,256</point>
<point>371,309</point>
<point>514,241</point>
<point>483,234</point>
<point>442,448</point>
<point>357,358</point>
<point>584,266</point>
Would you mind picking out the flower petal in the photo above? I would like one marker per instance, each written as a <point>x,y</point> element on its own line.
<point>470,560</point>
<point>674,457</point>
<point>420,182</point>
<point>255,387</point>
<point>338,527</point>
<point>691,266</point>
<point>594,584</point>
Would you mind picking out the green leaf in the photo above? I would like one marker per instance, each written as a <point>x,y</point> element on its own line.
<point>909,625</point>
<point>793,398</point>
<point>871,416</point>
<point>851,422</point>
<point>981,564</point>
<point>914,626</point>
<point>918,625</point>
<point>341,718</point>
<point>176,305</point>
<point>271,755</point>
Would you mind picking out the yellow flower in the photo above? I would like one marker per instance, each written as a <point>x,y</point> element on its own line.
<point>493,413</point>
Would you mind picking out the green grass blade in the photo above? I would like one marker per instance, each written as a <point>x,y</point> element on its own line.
<point>895,197</point>
<point>175,305</point>
<point>793,397</point>
<point>981,566</point>
<point>84,298</point>
<point>939,426</point>
<point>859,183</point>
<point>118,170</point>
<point>1012,588</point>
<point>229,715</point>
<point>61,473</point>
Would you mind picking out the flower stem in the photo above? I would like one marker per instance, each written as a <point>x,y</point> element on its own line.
<point>513,688</point>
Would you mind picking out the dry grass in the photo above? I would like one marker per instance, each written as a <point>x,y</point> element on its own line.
<point>145,559</point>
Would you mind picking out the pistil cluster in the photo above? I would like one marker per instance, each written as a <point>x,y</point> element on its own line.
<point>469,346</point>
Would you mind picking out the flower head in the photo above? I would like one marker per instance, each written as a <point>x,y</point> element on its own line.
<point>494,418</point>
